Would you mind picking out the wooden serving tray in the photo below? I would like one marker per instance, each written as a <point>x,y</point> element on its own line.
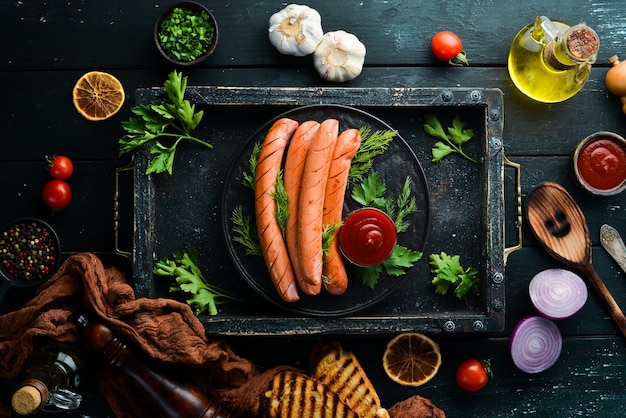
<point>466,208</point>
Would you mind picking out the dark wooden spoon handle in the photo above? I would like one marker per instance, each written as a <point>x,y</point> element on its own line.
<point>598,285</point>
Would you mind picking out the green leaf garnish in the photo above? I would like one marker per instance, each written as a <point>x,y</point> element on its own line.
<point>372,144</point>
<point>172,120</point>
<point>449,274</point>
<point>371,192</point>
<point>399,261</point>
<point>246,232</point>
<point>328,234</point>
<point>452,141</point>
<point>281,198</point>
<point>250,178</point>
<point>406,204</point>
<point>188,278</point>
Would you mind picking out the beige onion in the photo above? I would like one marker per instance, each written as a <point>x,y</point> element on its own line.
<point>296,30</point>
<point>339,56</point>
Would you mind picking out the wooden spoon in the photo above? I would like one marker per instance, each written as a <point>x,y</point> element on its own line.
<point>560,225</point>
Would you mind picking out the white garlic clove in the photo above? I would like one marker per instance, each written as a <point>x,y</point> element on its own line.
<point>339,56</point>
<point>296,30</point>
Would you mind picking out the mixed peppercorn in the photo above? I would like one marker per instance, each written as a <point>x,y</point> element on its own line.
<point>28,250</point>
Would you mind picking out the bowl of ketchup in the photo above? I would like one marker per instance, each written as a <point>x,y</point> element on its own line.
<point>367,237</point>
<point>600,163</point>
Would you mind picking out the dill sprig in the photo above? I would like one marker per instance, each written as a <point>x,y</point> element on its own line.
<point>281,198</point>
<point>328,235</point>
<point>406,205</point>
<point>372,144</point>
<point>249,178</point>
<point>245,232</point>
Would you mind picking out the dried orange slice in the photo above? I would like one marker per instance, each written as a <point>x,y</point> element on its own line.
<point>411,359</point>
<point>98,95</point>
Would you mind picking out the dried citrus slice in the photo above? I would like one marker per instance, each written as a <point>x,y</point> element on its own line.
<point>411,359</point>
<point>98,95</point>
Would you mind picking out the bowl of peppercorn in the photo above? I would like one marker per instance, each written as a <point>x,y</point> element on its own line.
<point>29,251</point>
<point>186,33</point>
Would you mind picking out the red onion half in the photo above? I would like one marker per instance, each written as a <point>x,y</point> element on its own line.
<point>535,344</point>
<point>557,293</point>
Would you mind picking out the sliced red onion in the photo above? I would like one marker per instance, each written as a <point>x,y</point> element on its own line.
<point>535,344</point>
<point>557,293</point>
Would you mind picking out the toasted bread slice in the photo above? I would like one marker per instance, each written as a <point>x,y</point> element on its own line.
<point>296,395</point>
<point>340,370</point>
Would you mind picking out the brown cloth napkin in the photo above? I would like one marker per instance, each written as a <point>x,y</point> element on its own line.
<point>164,329</point>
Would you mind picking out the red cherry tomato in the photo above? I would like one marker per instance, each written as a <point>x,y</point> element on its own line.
<point>472,375</point>
<point>60,167</point>
<point>56,194</point>
<point>447,46</point>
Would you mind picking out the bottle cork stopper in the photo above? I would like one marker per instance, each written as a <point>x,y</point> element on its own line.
<point>26,400</point>
<point>583,42</point>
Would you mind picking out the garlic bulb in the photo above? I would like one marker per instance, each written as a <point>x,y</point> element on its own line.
<point>296,30</point>
<point>339,56</point>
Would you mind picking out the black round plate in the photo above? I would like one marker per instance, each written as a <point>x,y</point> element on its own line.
<point>394,166</point>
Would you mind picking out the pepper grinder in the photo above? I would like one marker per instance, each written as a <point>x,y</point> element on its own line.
<point>172,399</point>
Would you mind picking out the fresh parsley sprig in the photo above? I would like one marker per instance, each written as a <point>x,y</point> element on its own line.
<point>188,278</point>
<point>173,119</point>
<point>371,192</point>
<point>396,264</point>
<point>449,274</point>
<point>452,141</point>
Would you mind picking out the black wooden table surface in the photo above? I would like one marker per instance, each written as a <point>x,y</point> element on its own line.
<point>47,45</point>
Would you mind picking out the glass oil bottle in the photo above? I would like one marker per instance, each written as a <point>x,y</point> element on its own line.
<point>550,61</point>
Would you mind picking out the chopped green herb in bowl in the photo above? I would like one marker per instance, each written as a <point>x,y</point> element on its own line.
<point>186,33</point>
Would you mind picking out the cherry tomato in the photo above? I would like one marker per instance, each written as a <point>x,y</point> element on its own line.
<point>447,46</point>
<point>60,167</point>
<point>56,194</point>
<point>472,375</point>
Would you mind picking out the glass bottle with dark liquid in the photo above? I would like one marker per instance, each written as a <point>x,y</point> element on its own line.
<point>50,380</point>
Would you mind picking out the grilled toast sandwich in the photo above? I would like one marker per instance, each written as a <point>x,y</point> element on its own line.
<point>296,395</point>
<point>340,370</point>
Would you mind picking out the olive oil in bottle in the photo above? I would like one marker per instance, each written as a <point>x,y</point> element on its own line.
<point>550,61</point>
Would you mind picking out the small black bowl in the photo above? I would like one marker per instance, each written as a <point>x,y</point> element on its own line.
<point>20,276</point>
<point>196,7</point>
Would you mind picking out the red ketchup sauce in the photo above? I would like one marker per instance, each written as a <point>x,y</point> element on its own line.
<point>602,163</point>
<point>367,237</point>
